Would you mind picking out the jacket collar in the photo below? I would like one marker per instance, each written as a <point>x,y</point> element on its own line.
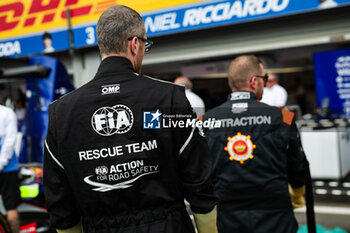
<point>115,64</point>
<point>242,95</point>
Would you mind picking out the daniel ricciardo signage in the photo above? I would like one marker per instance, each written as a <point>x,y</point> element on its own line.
<point>217,13</point>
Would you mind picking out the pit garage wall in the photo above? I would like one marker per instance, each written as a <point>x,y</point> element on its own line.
<point>324,27</point>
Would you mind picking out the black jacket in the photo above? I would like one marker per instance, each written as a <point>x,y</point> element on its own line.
<point>109,160</point>
<point>256,153</point>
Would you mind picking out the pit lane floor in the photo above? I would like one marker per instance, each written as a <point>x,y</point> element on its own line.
<point>330,212</point>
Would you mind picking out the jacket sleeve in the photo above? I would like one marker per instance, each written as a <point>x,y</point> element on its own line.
<point>195,164</point>
<point>8,141</point>
<point>295,158</point>
<point>60,202</point>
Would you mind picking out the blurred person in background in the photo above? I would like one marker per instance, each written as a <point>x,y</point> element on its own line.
<point>20,110</point>
<point>300,94</point>
<point>196,102</point>
<point>47,41</point>
<point>103,171</point>
<point>274,94</point>
<point>9,182</point>
<point>257,154</point>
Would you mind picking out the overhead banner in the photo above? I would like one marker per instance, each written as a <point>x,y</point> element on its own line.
<point>40,26</point>
<point>332,78</point>
<point>219,13</point>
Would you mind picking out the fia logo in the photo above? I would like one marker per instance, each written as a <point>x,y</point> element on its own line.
<point>110,89</point>
<point>101,170</point>
<point>107,121</point>
<point>151,120</point>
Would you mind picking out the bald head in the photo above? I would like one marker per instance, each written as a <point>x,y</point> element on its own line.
<point>242,69</point>
<point>273,80</point>
<point>115,26</point>
<point>184,81</point>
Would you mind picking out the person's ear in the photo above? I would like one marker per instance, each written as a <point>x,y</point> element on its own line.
<point>253,82</point>
<point>133,46</point>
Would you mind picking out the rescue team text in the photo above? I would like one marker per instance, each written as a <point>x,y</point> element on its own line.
<point>118,150</point>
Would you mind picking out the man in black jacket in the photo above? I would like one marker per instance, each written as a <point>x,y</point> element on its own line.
<point>256,154</point>
<point>109,160</point>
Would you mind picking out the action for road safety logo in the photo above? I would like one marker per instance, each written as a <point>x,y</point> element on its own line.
<point>119,176</point>
<point>240,147</point>
<point>107,121</point>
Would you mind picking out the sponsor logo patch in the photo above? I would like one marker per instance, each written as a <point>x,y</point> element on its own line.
<point>110,89</point>
<point>28,228</point>
<point>239,107</point>
<point>107,121</point>
<point>240,96</point>
<point>119,175</point>
<point>240,148</point>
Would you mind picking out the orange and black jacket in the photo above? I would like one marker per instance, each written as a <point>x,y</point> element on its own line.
<point>256,153</point>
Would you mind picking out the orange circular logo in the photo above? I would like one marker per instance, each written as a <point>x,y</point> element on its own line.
<point>240,147</point>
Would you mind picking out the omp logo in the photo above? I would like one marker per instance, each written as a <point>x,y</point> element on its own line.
<point>31,12</point>
<point>107,121</point>
<point>110,89</point>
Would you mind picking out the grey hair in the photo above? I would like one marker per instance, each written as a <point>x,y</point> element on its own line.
<point>241,70</point>
<point>115,26</point>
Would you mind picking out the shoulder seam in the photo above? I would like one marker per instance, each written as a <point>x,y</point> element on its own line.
<point>52,156</point>
<point>163,81</point>
<point>187,141</point>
